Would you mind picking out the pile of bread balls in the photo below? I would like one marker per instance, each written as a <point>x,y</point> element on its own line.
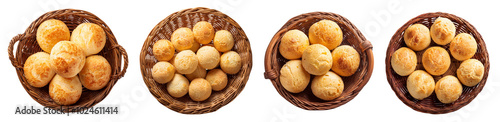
<point>313,55</point>
<point>436,61</point>
<point>178,60</point>
<point>68,61</point>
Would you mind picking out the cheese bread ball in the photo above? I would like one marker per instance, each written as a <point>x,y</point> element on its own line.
<point>317,59</point>
<point>442,31</point>
<point>37,69</point>
<point>420,84</point>
<point>448,89</point>
<point>463,47</point>
<point>91,37</point>
<point>178,87</point>
<point>223,41</point>
<point>198,73</point>
<point>163,50</point>
<point>417,37</point>
<point>65,91</point>
<point>470,72</point>
<point>183,39</point>
<point>328,86</point>
<point>186,62</point>
<point>67,59</point>
<point>195,46</point>
<point>345,60</point>
<point>96,73</point>
<point>292,44</point>
<point>50,32</point>
<point>199,89</point>
<point>404,61</point>
<point>436,60</point>
<point>217,79</point>
<point>208,57</point>
<point>163,72</point>
<point>327,33</point>
<point>293,77</point>
<point>230,62</point>
<point>203,32</point>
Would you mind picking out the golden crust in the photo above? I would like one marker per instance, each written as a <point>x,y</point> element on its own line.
<point>328,86</point>
<point>223,41</point>
<point>163,50</point>
<point>327,33</point>
<point>448,89</point>
<point>65,91</point>
<point>208,57</point>
<point>67,59</point>
<point>200,72</point>
<point>186,62</point>
<point>37,69</point>
<point>217,78</point>
<point>163,72</point>
<point>178,87</point>
<point>183,39</point>
<point>470,72</point>
<point>436,60</point>
<point>293,43</point>
<point>442,31</point>
<point>317,59</point>
<point>96,73</point>
<point>50,32</point>
<point>293,77</point>
<point>230,62</point>
<point>199,89</point>
<point>404,61</point>
<point>420,84</point>
<point>463,47</point>
<point>90,37</point>
<point>345,60</point>
<point>417,37</point>
<point>203,32</point>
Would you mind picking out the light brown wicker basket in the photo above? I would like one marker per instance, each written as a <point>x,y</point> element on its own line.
<point>187,18</point>
<point>352,84</point>
<point>431,104</point>
<point>28,45</point>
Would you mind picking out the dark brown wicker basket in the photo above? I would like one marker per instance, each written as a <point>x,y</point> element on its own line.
<point>28,45</point>
<point>431,104</point>
<point>187,18</point>
<point>352,84</point>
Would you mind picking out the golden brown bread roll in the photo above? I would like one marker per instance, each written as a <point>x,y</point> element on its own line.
<point>328,86</point>
<point>183,39</point>
<point>442,31</point>
<point>186,62</point>
<point>345,60</point>
<point>65,91</point>
<point>90,37</point>
<point>230,62</point>
<point>420,84</point>
<point>317,59</point>
<point>448,89</point>
<point>404,61</point>
<point>436,60</point>
<point>217,78</point>
<point>163,72</point>
<point>463,47</point>
<point>50,32</point>
<point>208,57</point>
<point>200,72</point>
<point>67,59</point>
<point>417,37</point>
<point>37,69</point>
<point>163,50</point>
<point>195,46</point>
<point>292,44</point>
<point>96,73</point>
<point>178,87</point>
<point>203,32</point>
<point>327,33</point>
<point>199,89</point>
<point>470,72</point>
<point>223,41</point>
<point>293,77</point>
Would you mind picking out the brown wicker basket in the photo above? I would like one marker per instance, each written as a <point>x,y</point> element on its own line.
<point>28,45</point>
<point>352,84</point>
<point>187,18</point>
<point>431,104</point>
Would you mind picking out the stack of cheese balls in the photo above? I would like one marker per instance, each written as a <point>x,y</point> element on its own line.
<point>436,61</point>
<point>172,68</point>
<point>68,61</point>
<point>314,55</point>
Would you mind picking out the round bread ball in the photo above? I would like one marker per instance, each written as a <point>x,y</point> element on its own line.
<point>293,43</point>
<point>230,62</point>
<point>163,72</point>
<point>178,87</point>
<point>208,57</point>
<point>328,86</point>
<point>420,84</point>
<point>404,61</point>
<point>345,60</point>
<point>203,32</point>
<point>195,46</point>
<point>198,73</point>
<point>436,60</point>
<point>217,79</point>
<point>67,59</point>
<point>50,32</point>
<point>65,91</point>
<point>417,37</point>
<point>90,37</point>
<point>186,62</point>
<point>199,89</point>
<point>223,41</point>
<point>293,77</point>
<point>183,39</point>
<point>96,73</point>
<point>463,47</point>
<point>163,50</point>
<point>442,31</point>
<point>327,33</point>
<point>470,72</point>
<point>37,69</point>
<point>317,59</point>
<point>448,89</point>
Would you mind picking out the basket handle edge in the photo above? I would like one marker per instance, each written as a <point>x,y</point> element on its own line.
<point>123,53</point>
<point>11,49</point>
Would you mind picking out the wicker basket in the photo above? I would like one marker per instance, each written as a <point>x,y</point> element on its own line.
<point>28,45</point>
<point>352,84</point>
<point>431,104</point>
<point>187,18</point>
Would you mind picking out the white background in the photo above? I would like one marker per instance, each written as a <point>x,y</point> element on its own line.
<point>131,22</point>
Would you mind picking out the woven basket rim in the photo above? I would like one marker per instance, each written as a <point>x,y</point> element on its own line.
<point>272,72</point>
<point>464,99</point>
<point>115,49</point>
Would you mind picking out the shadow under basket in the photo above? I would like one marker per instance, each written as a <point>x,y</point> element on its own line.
<point>188,18</point>
<point>352,84</point>
<point>27,45</point>
<point>431,104</point>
